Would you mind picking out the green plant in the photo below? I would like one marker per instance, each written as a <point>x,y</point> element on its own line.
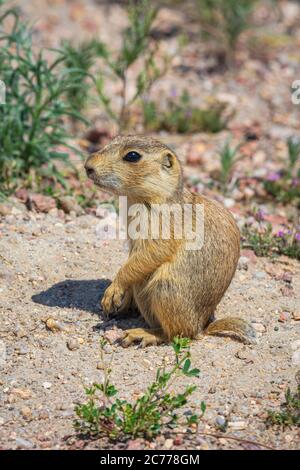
<point>181,117</point>
<point>32,119</point>
<point>289,415</point>
<point>229,156</point>
<point>79,60</point>
<point>262,241</point>
<point>136,46</point>
<point>284,185</point>
<point>105,415</point>
<point>226,20</point>
<point>284,190</point>
<point>293,146</point>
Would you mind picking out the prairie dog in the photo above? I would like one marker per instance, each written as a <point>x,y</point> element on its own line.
<point>176,290</point>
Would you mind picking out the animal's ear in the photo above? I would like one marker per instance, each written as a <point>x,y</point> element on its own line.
<point>168,160</point>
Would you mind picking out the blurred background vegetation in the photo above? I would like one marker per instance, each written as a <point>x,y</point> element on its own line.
<point>67,96</point>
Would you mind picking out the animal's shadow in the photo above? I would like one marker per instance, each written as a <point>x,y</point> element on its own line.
<point>86,295</point>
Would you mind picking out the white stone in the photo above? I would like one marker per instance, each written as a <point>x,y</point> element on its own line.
<point>237,425</point>
<point>295,345</point>
<point>47,384</point>
<point>168,444</point>
<point>296,358</point>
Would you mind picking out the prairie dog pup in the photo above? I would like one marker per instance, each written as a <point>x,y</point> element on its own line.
<point>175,289</point>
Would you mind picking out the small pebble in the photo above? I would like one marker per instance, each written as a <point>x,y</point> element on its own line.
<point>177,441</point>
<point>283,317</point>
<point>47,385</point>
<point>26,412</point>
<point>200,440</point>
<point>259,275</point>
<point>205,446</point>
<point>243,263</point>
<point>295,345</point>
<point>24,443</point>
<point>43,414</point>
<point>23,393</point>
<point>72,344</point>
<point>54,325</point>
<point>296,358</point>
<point>134,444</point>
<point>22,349</point>
<point>114,335</point>
<point>223,441</point>
<point>220,421</point>
<point>228,202</point>
<point>5,209</point>
<point>67,413</point>
<point>69,205</point>
<point>237,425</point>
<point>168,444</point>
<point>19,332</point>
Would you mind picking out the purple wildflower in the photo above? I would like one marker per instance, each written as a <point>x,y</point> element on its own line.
<point>173,92</point>
<point>273,177</point>
<point>295,182</point>
<point>280,234</point>
<point>260,215</point>
<point>297,237</point>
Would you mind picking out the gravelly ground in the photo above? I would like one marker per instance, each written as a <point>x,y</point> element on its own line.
<point>53,269</point>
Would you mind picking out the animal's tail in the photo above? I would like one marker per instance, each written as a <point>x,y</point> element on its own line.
<point>234,327</point>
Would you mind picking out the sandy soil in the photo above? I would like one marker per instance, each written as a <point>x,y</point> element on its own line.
<point>56,269</point>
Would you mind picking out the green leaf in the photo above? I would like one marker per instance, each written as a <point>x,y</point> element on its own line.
<point>186,365</point>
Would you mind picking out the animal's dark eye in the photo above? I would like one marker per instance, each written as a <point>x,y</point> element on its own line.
<point>132,157</point>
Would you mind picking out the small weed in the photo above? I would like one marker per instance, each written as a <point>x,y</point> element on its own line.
<point>282,189</point>
<point>229,156</point>
<point>181,117</point>
<point>79,60</point>
<point>136,46</point>
<point>289,414</point>
<point>284,186</point>
<point>33,117</point>
<point>293,153</point>
<point>106,415</point>
<point>225,21</point>
<point>262,241</point>
<point>86,200</point>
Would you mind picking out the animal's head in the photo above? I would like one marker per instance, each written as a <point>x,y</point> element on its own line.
<point>138,167</point>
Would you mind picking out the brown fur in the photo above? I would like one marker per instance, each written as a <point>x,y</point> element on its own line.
<point>176,290</point>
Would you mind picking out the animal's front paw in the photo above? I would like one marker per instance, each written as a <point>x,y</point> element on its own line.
<point>113,298</point>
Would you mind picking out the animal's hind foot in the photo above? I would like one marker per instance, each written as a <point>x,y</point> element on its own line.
<point>143,336</point>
